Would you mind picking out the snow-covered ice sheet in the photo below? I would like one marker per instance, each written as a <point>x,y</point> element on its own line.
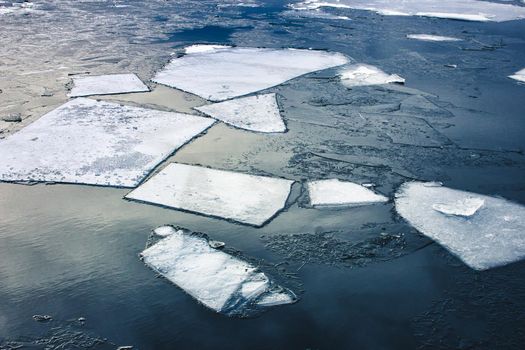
<point>220,281</point>
<point>106,85</point>
<point>519,76</point>
<point>98,143</point>
<point>333,192</point>
<point>219,73</point>
<point>468,10</point>
<point>363,75</point>
<point>244,198</point>
<point>430,37</point>
<point>255,113</point>
<point>483,231</point>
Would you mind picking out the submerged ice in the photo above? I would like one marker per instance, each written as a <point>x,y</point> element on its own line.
<point>334,192</point>
<point>106,85</point>
<point>220,281</point>
<point>483,231</point>
<point>363,75</point>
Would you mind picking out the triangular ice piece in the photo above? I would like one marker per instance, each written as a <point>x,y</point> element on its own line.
<point>363,75</point>
<point>333,193</point>
<point>519,76</point>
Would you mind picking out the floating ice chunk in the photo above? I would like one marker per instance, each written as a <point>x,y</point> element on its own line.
<point>362,75</point>
<point>106,85</point>
<point>256,113</point>
<point>494,236</point>
<point>199,48</point>
<point>341,193</point>
<point>456,16</point>
<point>519,75</point>
<point>429,37</point>
<point>164,231</point>
<point>218,280</point>
<point>98,143</point>
<point>218,73</point>
<point>244,198</point>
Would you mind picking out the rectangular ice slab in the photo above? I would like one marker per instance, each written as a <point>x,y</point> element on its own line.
<point>330,193</point>
<point>519,75</point>
<point>429,37</point>
<point>363,74</point>
<point>98,143</point>
<point>220,281</point>
<point>482,231</point>
<point>244,198</point>
<point>106,85</point>
<point>218,73</point>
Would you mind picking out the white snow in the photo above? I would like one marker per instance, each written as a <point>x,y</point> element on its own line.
<point>483,231</point>
<point>363,74</point>
<point>519,75</point>
<point>98,143</point>
<point>429,37</point>
<point>244,198</point>
<point>255,113</point>
<point>468,10</point>
<point>220,73</point>
<point>218,280</point>
<point>106,85</point>
<point>334,192</point>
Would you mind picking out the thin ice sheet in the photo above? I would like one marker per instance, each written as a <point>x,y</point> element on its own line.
<point>430,37</point>
<point>333,192</point>
<point>106,85</point>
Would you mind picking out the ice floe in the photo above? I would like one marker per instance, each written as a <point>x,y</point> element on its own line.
<point>481,230</point>
<point>218,73</point>
<point>220,281</point>
<point>429,37</point>
<point>519,76</point>
<point>244,198</point>
<point>363,75</point>
<point>333,192</point>
<point>99,143</point>
<point>106,85</point>
<point>467,10</point>
<point>255,113</point>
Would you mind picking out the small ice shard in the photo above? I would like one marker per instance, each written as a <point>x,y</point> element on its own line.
<point>220,281</point>
<point>333,192</point>
<point>219,73</point>
<point>244,198</point>
<point>519,76</point>
<point>255,113</point>
<point>99,143</point>
<point>462,207</point>
<point>13,118</point>
<point>362,75</point>
<point>494,236</point>
<point>429,37</point>
<point>216,244</point>
<point>42,318</point>
<point>106,85</point>
<point>164,231</point>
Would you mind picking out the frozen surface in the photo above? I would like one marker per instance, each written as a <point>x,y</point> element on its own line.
<point>493,236</point>
<point>218,73</point>
<point>334,192</point>
<point>220,281</point>
<point>429,37</point>
<point>106,85</point>
<point>244,198</point>
<point>519,75</point>
<point>256,113</point>
<point>468,10</point>
<point>99,143</point>
<point>362,75</point>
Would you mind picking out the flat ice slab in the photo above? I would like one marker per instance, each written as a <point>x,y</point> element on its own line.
<point>219,73</point>
<point>98,143</point>
<point>482,231</point>
<point>220,281</point>
<point>255,113</point>
<point>519,75</point>
<point>244,198</point>
<point>363,75</point>
<point>106,85</point>
<point>333,192</point>
<point>429,37</point>
<point>468,10</point>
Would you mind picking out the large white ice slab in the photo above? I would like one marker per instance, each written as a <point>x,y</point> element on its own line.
<point>429,37</point>
<point>99,143</point>
<point>333,192</point>
<point>106,85</point>
<point>482,231</point>
<point>244,198</point>
<point>363,74</point>
<point>519,75</point>
<point>256,113</point>
<point>220,281</point>
<point>468,10</point>
<point>218,73</point>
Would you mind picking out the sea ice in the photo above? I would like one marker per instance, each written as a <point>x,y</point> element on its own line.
<point>256,113</point>
<point>362,75</point>
<point>106,85</point>
<point>333,192</point>
<point>244,198</point>
<point>483,231</point>
<point>429,37</point>
<point>98,143</point>
<point>219,73</point>
<point>519,75</point>
<point>220,281</point>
